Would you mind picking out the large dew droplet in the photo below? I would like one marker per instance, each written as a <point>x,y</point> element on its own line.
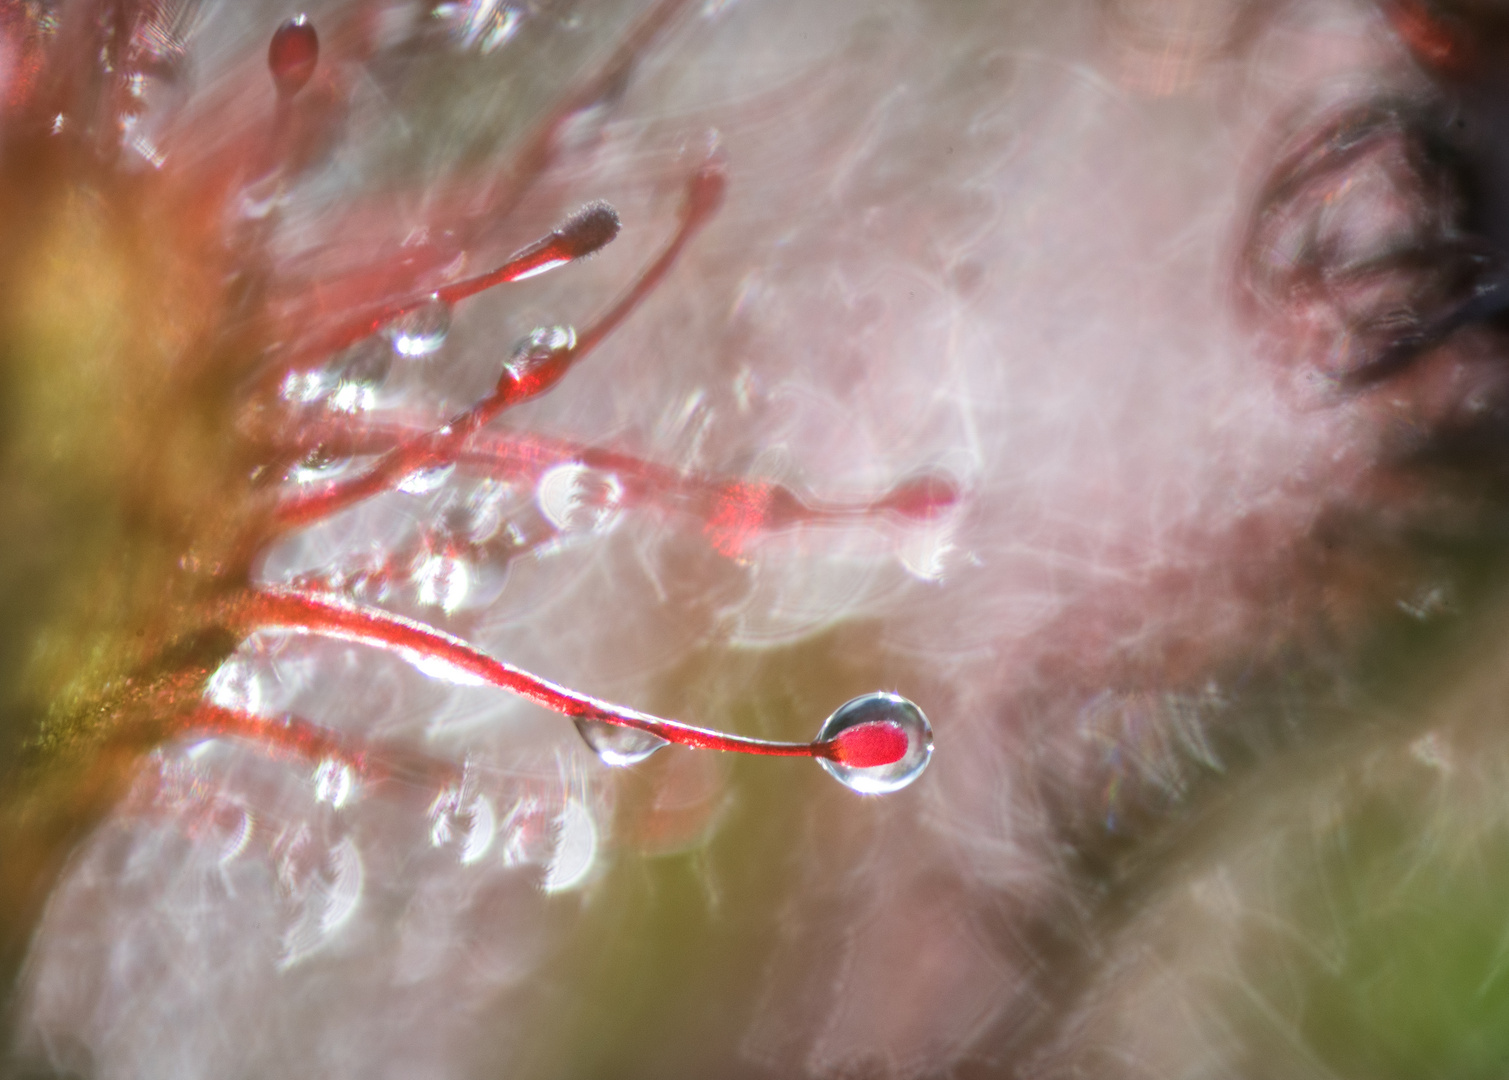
<point>420,331</point>
<point>617,745</point>
<point>881,743</point>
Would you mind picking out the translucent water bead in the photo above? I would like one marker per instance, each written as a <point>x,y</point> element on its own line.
<point>419,332</point>
<point>877,727</point>
<point>617,745</point>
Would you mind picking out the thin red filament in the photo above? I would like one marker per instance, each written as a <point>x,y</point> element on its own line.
<point>587,231</point>
<point>445,445</point>
<point>733,511</point>
<point>297,738</point>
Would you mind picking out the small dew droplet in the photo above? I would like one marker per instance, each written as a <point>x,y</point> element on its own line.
<point>617,745</point>
<point>878,743</point>
<point>292,55</point>
<point>420,331</point>
<point>540,347</point>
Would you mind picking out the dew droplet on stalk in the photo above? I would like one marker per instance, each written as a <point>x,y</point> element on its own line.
<point>877,744</point>
<point>616,745</point>
<point>419,332</point>
<point>539,348</point>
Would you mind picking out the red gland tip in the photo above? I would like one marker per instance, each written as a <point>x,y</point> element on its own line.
<point>871,745</point>
<point>1434,41</point>
<point>584,232</point>
<point>923,497</point>
<point>292,55</point>
<point>588,230</point>
<point>705,190</point>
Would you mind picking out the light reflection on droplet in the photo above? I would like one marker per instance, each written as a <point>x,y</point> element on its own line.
<point>576,498</point>
<point>424,481</point>
<point>575,849</point>
<point>483,25</point>
<point>888,709</point>
<point>324,886</point>
<point>486,511</point>
<point>470,823</point>
<point>927,552</point>
<point>420,331</point>
<point>617,745</point>
<point>352,398</point>
<point>539,347</point>
<point>333,782</point>
<point>318,466</point>
<point>240,834</point>
<point>236,684</point>
<point>527,833</point>
<point>443,581</point>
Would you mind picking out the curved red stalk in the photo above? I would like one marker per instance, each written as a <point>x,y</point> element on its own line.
<point>442,654</point>
<point>734,512</point>
<point>298,738</point>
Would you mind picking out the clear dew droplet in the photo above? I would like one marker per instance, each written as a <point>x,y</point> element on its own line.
<point>617,745</point>
<point>887,712</point>
<point>541,345</point>
<point>576,498</point>
<point>421,331</point>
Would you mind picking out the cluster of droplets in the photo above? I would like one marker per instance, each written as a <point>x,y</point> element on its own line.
<point>874,744</point>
